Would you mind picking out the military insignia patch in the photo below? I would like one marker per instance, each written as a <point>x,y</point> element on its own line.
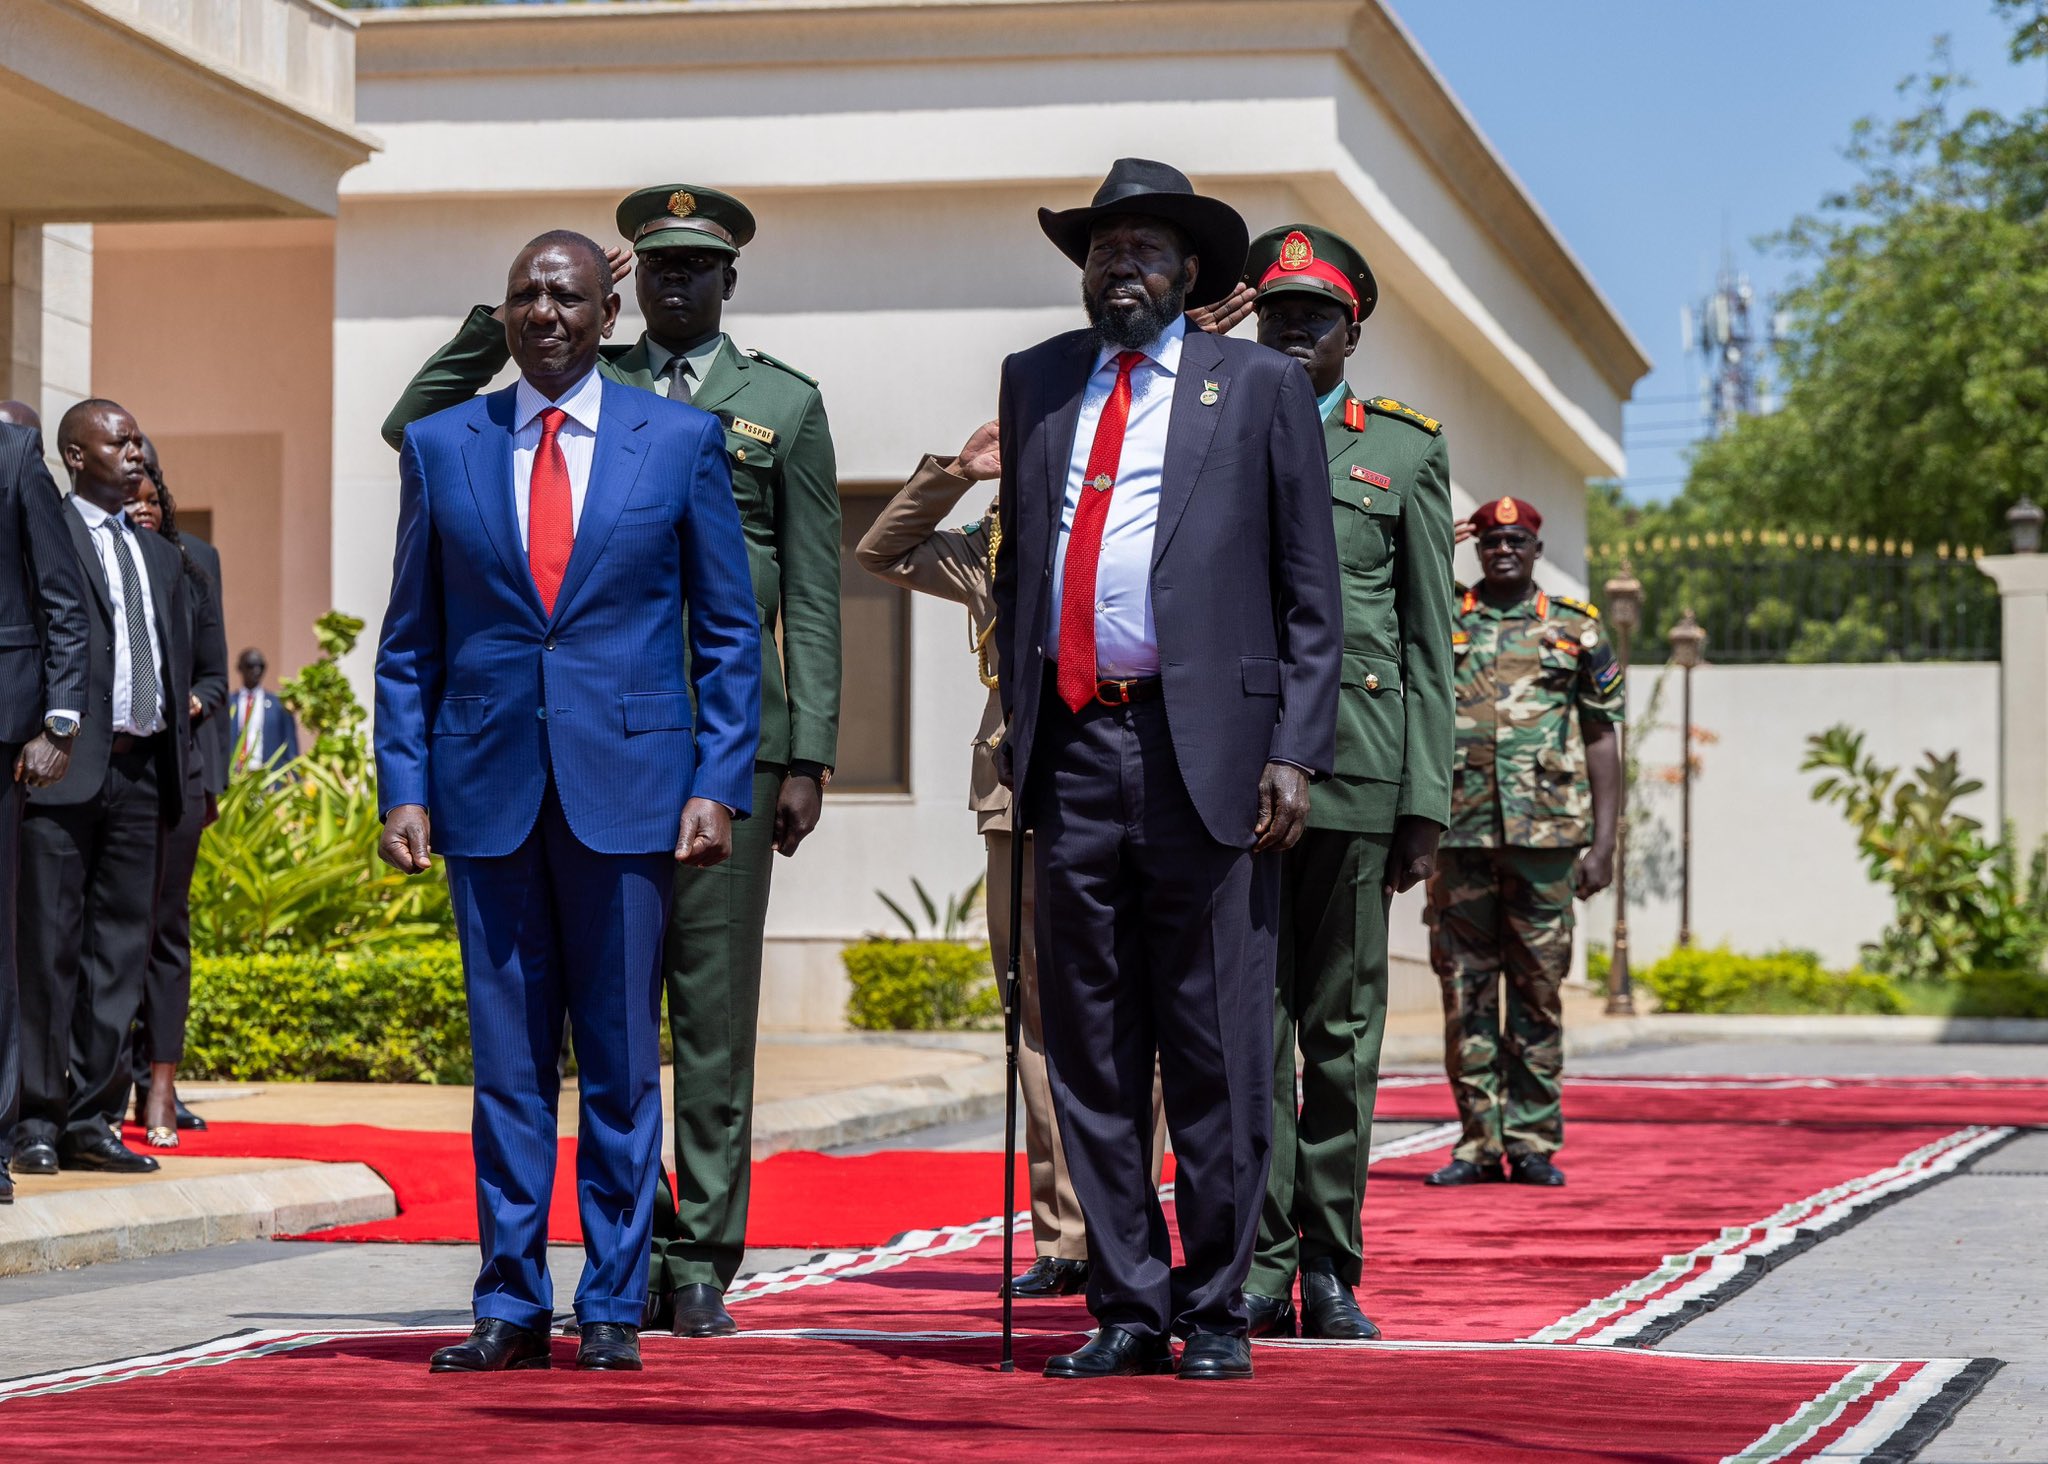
<point>1505,512</point>
<point>1392,408</point>
<point>1607,678</point>
<point>1461,638</point>
<point>1367,475</point>
<point>1296,252</point>
<point>1591,612</point>
<point>1354,414</point>
<point>682,203</point>
<point>753,429</point>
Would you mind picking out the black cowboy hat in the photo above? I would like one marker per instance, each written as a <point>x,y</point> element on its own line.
<point>1160,191</point>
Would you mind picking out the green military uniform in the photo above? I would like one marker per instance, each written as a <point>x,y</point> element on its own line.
<point>785,481</point>
<point>1528,677</point>
<point>1391,498</point>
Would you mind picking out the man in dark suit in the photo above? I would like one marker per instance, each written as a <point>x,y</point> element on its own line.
<point>43,636</point>
<point>262,731</point>
<point>562,545</point>
<point>92,843</point>
<point>1169,576</point>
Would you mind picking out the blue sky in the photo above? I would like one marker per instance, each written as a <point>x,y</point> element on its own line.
<point>1649,130</point>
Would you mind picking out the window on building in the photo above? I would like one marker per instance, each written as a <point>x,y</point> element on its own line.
<point>874,700</point>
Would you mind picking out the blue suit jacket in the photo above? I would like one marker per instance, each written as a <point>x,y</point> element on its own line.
<point>471,672</point>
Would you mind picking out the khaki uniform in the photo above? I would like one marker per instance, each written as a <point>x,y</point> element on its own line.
<point>1529,677</point>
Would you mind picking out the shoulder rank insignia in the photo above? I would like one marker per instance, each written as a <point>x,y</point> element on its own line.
<point>753,429</point>
<point>1367,475</point>
<point>1461,637</point>
<point>1388,407</point>
<point>1468,600</point>
<point>766,359</point>
<point>1590,611</point>
<point>1354,414</point>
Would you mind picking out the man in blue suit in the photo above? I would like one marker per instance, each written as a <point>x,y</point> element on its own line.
<point>535,725</point>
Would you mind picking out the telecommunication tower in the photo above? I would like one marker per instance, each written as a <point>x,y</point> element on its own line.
<point>1719,330</point>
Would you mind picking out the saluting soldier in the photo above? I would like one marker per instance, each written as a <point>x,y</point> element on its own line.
<point>1533,817</point>
<point>1373,825</point>
<point>685,240</point>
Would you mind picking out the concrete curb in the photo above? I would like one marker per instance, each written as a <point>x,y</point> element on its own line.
<point>78,1227</point>
<point>879,1110</point>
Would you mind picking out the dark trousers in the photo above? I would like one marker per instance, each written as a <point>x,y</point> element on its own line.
<point>167,986</point>
<point>10,997</point>
<point>88,893</point>
<point>1152,939</point>
<point>549,929</point>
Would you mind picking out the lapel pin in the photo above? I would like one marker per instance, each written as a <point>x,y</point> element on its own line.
<point>1210,392</point>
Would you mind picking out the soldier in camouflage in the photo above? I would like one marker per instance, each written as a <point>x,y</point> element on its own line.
<point>1533,818</point>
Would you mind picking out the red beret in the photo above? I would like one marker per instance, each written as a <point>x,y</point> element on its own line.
<point>1507,512</point>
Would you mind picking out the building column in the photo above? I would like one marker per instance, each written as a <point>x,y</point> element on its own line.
<point>2022,581</point>
<point>46,316</point>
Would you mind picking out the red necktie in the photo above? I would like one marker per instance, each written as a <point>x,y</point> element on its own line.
<point>1077,680</point>
<point>550,527</point>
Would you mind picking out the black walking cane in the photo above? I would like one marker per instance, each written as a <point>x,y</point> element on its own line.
<point>1013,1019</point>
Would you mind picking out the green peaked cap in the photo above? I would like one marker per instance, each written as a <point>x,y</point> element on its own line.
<point>685,216</point>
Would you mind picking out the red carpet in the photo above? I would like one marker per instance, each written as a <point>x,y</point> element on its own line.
<point>278,1396</point>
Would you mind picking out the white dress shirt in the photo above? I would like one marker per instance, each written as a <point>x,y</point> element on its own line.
<point>699,357</point>
<point>1126,638</point>
<point>102,527</point>
<point>578,438</point>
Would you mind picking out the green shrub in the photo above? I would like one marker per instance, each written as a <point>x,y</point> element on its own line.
<point>1984,992</point>
<point>1693,980</point>
<point>387,1015</point>
<point>919,985</point>
<point>1599,966</point>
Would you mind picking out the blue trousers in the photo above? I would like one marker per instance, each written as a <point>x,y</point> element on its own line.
<point>555,927</point>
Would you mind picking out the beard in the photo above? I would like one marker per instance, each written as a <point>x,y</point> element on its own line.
<point>1135,321</point>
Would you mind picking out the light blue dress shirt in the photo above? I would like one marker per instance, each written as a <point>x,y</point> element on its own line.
<point>1327,402</point>
<point>1126,638</point>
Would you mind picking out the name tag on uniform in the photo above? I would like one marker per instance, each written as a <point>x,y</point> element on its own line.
<point>1367,475</point>
<point>753,429</point>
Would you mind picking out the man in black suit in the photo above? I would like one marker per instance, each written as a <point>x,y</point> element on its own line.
<point>261,729</point>
<point>43,634</point>
<point>91,844</point>
<point>1168,582</point>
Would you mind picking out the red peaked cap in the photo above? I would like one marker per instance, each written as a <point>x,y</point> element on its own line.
<point>1513,513</point>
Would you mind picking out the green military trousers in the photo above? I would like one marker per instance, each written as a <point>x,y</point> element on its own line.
<point>1498,913</point>
<point>1332,1004</point>
<point>712,969</point>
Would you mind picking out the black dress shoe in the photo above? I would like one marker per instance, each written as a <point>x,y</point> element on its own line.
<point>1115,1353</point>
<point>189,1121</point>
<point>609,1347</point>
<point>659,1315</point>
<point>1534,1169</point>
<point>494,1346</point>
<point>1215,1357</point>
<point>1051,1276</point>
<point>1464,1171</point>
<point>105,1153</point>
<point>700,1312</point>
<point>34,1158</point>
<point>1329,1311</point>
<point>1271,1316</point>
<point>6,1185</point>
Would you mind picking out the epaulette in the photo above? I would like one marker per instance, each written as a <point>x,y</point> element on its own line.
<point>766,359</point>
<point>1388,407</point>
<point>1591,612</point>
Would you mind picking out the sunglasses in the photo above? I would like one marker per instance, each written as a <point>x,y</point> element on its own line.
<point>1509,540</point>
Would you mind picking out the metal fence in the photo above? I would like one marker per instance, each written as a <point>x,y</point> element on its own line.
<point>1770,596</point>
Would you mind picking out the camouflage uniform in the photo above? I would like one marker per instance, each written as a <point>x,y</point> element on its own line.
<point>1501,902</point>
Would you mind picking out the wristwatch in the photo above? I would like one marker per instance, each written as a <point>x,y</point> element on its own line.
<point>61,726</point>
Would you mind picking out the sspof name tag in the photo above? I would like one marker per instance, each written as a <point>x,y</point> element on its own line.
<point>753,429</point>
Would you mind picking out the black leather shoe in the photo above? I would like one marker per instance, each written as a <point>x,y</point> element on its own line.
<point>699,1311</point>
<point>34,1158</point>
<point>6,1185</point>
<point>1534,1169</point>
<point>1214,1357</point>
<point>1329,1312</point>
<point>1051,1276</point>
<point>189,1121</point>
<point>494,1346</point>
<point>609,1347</point>
<point>659,1315</point>
<point>104,1153</point>
<point>1464,1171</point>
<point>1271,1316</point>
<point>1115,1353</point>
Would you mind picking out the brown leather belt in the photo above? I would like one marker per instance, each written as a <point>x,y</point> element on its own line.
<point>1124,693</point>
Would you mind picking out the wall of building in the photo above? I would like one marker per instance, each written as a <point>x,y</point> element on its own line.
<point>219,338</point>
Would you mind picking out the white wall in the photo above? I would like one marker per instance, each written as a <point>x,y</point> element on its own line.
<point>1771,867</point>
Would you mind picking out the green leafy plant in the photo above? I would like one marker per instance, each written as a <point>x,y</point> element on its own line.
<point>321,697</point>
<point>919,985</point>
<point>937,924</point>
<point>386,1015</point>
<point>1959,901</point>
<point>1719,980</point>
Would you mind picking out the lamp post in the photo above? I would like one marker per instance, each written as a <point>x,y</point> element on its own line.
<point>1624,594</point>
<point>1688,640</point>
<point>2024,519</point>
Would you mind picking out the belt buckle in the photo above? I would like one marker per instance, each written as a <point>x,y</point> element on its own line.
<point>1123,691</point>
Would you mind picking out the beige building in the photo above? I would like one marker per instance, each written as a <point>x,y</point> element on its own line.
<point>895,152</point>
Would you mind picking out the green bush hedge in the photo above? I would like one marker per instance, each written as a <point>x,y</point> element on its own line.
<point>383,1015</point>
<point>1719,980</point>
<point>919,985</point>
<point>1989,993</point>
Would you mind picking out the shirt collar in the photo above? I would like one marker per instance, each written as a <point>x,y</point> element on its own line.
<point>699,356</point>
<point>92,513</point>
<point>1163,350</point>
<point>1329,400</point>
<point>581,401</point>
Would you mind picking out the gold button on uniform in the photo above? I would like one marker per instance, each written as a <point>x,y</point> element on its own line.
<point>1372,682</point>
<point>1367,501</point>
